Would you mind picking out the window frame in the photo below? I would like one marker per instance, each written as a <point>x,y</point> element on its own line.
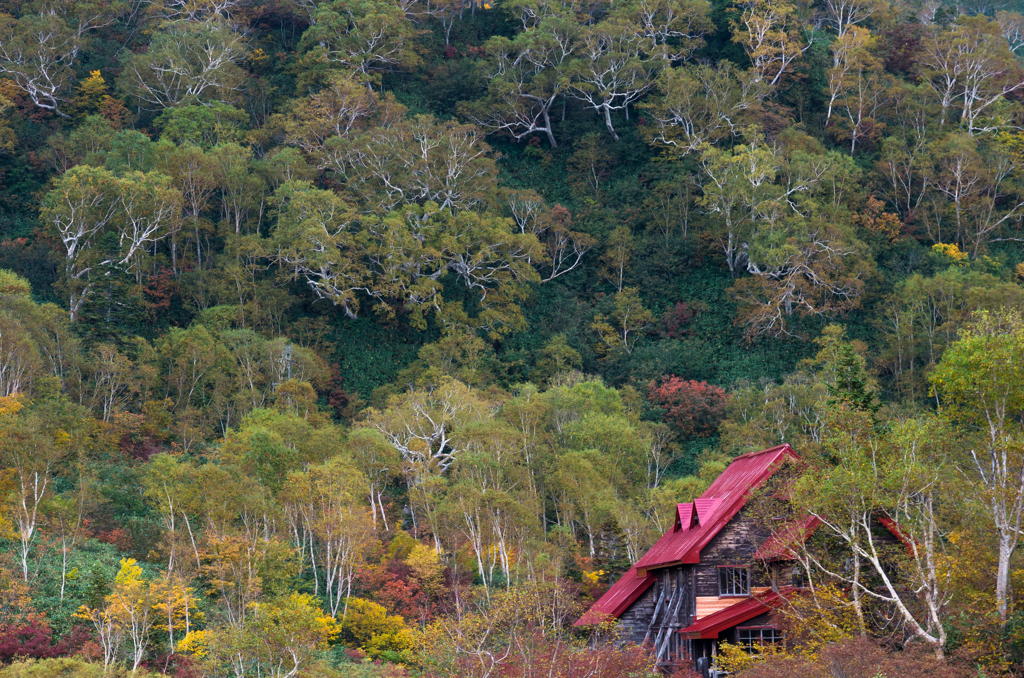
<point>733,582</point>
<point>758,637</point>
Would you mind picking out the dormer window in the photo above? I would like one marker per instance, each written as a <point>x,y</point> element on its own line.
<point>733,581</point>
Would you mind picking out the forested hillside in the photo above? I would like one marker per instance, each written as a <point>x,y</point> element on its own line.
<point>378,337</point>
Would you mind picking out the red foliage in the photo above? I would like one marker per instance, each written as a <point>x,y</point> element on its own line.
<point>900,47</point>
<point>345,405</point>
<point>159,289</point>
<point>392,585</point>
<point>860,658</point>
<point>533,655</point>
<point>176,666</point>
<point>450,52</point>
<point>116,537</point>
<point>692,408</point>
<point>33,639</point>
<point>73,642</point>
<point>676,319</point>
<point>114,111</point>
<point>404,598</point>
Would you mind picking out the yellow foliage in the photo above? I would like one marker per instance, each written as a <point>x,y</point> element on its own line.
<point>973,615</point>
<point>876,220</point>
<point>196,643</point>
<point>592,577</point>
<point>175,603</point>
<point>814,622</point>
<point>11,405</point>
<point>426,566</point>
<point>10,282</point>
<point>375,631</point>
<point>957,256</point>
<point>733,658</point>
<point>15,598</point>
<point>130,573</point>
<point>91,93</point>
<point>7,487</point>
<point>258,57</point>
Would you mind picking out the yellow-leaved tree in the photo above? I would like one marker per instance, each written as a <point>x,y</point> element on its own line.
<point>279,639</point>
<point>127,615</point>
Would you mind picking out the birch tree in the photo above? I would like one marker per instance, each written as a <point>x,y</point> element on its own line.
<point>526,76</point>
<point>423,424</point>
<point>768,32</point>
<point>86,203</point>
<point>700,104</point>
<point>893,483</point>
<point>330,498</point>
<point>186,63</point>
<point>38,53</point>
<point>31,446</point>
<point>614,67</point>
<point>364,35</point>
<point>980,385</point>
<point>970,67</point>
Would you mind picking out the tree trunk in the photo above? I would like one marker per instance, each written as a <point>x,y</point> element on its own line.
<point>1003,574</point>
<point>608,121</point>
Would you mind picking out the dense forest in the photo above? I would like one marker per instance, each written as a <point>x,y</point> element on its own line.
<point>376,338</point>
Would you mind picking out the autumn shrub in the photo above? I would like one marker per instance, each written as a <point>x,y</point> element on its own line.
<point>381,635</point>
<point>860,658</point>
<point>692,408</point>
<point>675,323</point>
<point>68,667</point>
<point>33,639</point>
<point>529,653</point>
<point>535,656</point>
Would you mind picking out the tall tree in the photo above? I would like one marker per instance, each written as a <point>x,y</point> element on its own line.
<point>38,52</point>
<point>186,63</point>
<point>970,66</point>
<point>526,75</point>
<point>868,484</point>
<point>364,35</point>
<point>980,386</point>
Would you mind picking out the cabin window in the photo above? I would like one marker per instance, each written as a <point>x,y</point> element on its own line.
<point>751,639</point>
<point>733,581</point>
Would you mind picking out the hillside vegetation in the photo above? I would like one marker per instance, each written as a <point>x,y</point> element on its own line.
<point>379,337</point>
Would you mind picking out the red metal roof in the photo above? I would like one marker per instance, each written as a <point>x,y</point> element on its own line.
<point>715,508</point>
<point>683,543</point>
<point>782,544</point>
<point>713,624</point>
<point>617,599</point>
<point>685,516</point>
<point>898,532</point>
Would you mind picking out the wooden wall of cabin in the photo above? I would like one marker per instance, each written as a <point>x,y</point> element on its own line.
<point>666,607</point>
<point>735,544</point>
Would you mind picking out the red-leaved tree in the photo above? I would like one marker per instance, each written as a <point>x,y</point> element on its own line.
<point>692,408</point>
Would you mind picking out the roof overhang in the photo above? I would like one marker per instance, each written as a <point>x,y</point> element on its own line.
<point>712,625</point>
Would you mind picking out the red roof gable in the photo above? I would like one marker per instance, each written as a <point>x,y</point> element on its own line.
<point>715,508</point>
<point>713,624</point>
<point>685,516</point>
<point>683,543</point>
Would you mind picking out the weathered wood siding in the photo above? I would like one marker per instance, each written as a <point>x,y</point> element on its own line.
<point>662,610</point>
<point>735,544</point>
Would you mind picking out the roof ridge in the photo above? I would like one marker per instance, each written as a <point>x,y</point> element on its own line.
<point>758,453</point>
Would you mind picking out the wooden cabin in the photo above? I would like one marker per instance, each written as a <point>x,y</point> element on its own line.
<point>715,576</point>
